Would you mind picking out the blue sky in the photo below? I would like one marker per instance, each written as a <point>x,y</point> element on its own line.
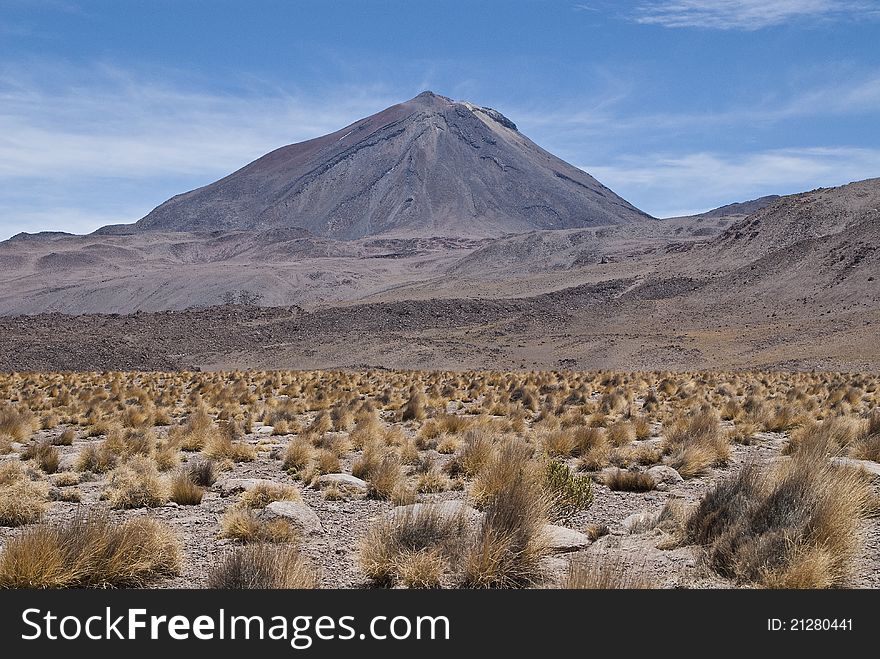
<point>109,107</point>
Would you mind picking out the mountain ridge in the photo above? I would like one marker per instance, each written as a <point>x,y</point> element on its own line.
<point>427,166</point>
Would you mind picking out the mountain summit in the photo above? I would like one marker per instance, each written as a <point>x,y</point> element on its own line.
<point>429,166</point>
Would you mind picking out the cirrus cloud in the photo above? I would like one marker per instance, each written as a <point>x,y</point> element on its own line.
<point>748,14</point>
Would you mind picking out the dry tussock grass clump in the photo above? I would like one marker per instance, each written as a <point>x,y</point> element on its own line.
<point>65,438</point>
<point>130,442</point>
<point>626,456</point>
<point>421,569</point>
<point>327,462</point>
<point>866,445</point>
<point>415,407</point>
<point>227,445</point>
<point>783,418</point>
<point>692,446</point>
<point>608,572</point>
<point>511,460</point>
<point>22,501</point>
<point>96,459</point>
<point>594,449</point>
<point>44,454</point>
<point>90,551</point>
<point>832,436</point>
<point>743,432</point>
<point>194,434</point>
<point>242,524</point>
<point>475,452</point>
<point>201,472</point>
<point>509,545</point>
<point>263,566</point>
<point>620,480</point>
<point>620,433</point>
<point>65,479</point>
<point>16,423</point>
<point>368,429</point>
<point>136,484</point>
<point>559,443</point>
<point>432,480</point>
<point>261,495</point>
<point>452,424</point>
<point>323,423</point>
<point>795,525</point>
<point>642,428</point>
<point>414,546</point>
<point>448,444</point>
<point>369,459</point>
<point>386,481</point>
<point>184,491</point>
<point>298,454</point>
<point>167,456</point>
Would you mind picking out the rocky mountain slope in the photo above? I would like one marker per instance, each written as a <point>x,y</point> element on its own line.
<point>793,286</point>
<point>430,166</point>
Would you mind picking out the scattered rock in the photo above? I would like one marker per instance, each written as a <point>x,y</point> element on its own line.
<point>872,468</point>
<point>561,539</point>
<point>298,513</point>
<point>665,475</point>
<point>446,510</point>
<point>639,522</point>
<point>555,569</point>
<point>345,482</point>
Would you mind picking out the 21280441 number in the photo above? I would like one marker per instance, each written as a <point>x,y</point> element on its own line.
<point>810,624</point>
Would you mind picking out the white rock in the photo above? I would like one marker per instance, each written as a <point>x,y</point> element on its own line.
<point>665,474</point>
<point>638,522</point>
<point>555,569</point>
<point>872,468</point>
<point>560,539</point>
<point>298,513</point>
<point>342,481</point>
<point>445,510</point>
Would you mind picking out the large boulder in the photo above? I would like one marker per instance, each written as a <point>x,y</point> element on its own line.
<point>561,539</point>
<point>445,510</point>
<point>298,513</point>
<point>665,475</point>
<point>345,482</point>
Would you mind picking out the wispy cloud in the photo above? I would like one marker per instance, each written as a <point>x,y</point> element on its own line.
<point>748,14</point>
<point>80,148</point>
<point>611,117</point>
<point>655,182</point>
<point>117,125</point>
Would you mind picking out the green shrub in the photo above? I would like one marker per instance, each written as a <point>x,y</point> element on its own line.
<point>569,493</point>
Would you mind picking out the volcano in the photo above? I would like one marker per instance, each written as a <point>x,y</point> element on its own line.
<point>428,167</point>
